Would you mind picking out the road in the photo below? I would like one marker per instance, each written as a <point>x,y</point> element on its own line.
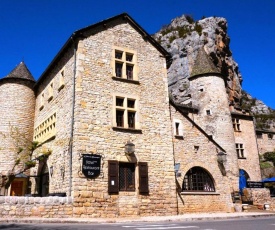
<point>234,224</point>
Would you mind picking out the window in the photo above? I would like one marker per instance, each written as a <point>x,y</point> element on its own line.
<point>125,112</point>
<point>270,136</point>
<point>124,64</point>
<point>121,177</point>
<point>50,92</point>
<point>197,179</point>
<point>259,135</point>
<point>240,150</point>
<point>236,124</point>
<point>42,101</point>
<point>46,129</point>
<point>208,112</point>
<point>126,177</point>
<point>61,80</point>
<point>178,130</point>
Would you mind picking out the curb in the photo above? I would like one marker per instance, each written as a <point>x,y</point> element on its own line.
<point>187,217</point>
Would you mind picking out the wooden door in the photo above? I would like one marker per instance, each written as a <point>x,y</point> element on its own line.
<point>17,188</point>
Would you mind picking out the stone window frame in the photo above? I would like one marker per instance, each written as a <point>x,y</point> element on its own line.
<point>139,177</point>
<point>236,124</point>
<point>50,91</point>
<point>124,64</point>
<point>46,129</point>
<point>126,111</point>
<point>208,112</point>
<point>240,150</point>
<point>61,79</point>
<point>42,101</point>
<point>177,128</point>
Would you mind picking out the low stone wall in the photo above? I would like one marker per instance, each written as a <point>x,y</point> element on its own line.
<point>47,207</point>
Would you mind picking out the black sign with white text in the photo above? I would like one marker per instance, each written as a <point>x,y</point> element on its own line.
<point>91,165</point>
<point>254,184</point>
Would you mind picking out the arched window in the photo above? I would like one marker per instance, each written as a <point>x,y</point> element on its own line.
<point>197,179</point>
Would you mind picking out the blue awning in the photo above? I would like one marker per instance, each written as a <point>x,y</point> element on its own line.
<point>272,179</point>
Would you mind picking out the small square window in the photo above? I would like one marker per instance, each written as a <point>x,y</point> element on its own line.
<point>119,101</point>
<point>208,112</point>
<point>118,54</point>
<point>129,57</point>
<point>130,103</point>
<point>259,135</point>
<point>270,136</point>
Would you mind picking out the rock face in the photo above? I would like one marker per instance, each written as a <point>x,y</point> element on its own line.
<point>183,38</point>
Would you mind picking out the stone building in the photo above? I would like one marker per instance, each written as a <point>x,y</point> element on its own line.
<point>114,143</point>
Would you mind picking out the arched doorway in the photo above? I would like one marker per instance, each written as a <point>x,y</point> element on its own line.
<point>43,179</point>
<point>243,177</point>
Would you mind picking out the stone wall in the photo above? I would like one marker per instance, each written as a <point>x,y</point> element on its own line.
<point>266,144</point>
<point>195,148</point>
<point>250,163</point>
<point>46,207</point>
<point>17,101</point>
<point>209,94</point>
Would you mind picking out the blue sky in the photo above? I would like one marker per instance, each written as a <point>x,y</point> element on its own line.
<point>33,31</point>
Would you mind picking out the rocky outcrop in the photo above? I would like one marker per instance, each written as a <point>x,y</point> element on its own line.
<point>183,38</point>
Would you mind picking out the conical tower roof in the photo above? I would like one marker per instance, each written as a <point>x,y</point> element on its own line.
<point>21,71</point>
<point>203,64</point>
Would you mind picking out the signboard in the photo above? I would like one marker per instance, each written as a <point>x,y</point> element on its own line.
<point>91,165</point>
<point>254,184</point>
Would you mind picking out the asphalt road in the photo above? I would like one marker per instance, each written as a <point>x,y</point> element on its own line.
<point>234,224</point>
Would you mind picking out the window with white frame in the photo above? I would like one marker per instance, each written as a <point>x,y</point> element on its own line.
<point>126,112</point>
<point>240,150</point>
<point>125,64</point>
<point>236,124</point>
<point>178,129</point>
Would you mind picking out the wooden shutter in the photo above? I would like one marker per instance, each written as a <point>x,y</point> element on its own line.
<point>143,178</point>
<point>113,186</point>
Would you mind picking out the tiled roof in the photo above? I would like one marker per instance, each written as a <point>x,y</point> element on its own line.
<point>21,71</point>
<point>203,64</point>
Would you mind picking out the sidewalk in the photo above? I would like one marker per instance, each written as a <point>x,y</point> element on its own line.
<point>185,217</point>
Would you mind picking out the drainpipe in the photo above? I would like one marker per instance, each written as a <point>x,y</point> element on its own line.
<point>72,123</point>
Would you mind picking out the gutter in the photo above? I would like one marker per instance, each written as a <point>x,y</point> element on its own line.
<point>72,121</point>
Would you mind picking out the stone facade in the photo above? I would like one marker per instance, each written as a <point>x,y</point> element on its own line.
<point>266,141</point>
<point>108,87</point>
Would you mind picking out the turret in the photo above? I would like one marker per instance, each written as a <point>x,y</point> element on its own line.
<point>208,93</point>
<point>17,102</point>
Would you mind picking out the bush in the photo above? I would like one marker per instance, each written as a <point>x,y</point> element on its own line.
<point>265,165</point>
<point>269,156</point>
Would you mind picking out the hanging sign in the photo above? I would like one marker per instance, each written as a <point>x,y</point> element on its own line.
<point>91,165</point>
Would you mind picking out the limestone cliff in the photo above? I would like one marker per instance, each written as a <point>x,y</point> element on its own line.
<point>182,38</point>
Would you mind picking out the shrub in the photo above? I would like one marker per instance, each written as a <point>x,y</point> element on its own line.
<point>189,18</point>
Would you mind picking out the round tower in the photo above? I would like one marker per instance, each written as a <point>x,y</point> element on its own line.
<point>209,95</point>
<point>17,103</point>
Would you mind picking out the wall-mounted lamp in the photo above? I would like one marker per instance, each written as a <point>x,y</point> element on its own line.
<point>129,148</point>
<point>51,171</point>
<point>221,157</point>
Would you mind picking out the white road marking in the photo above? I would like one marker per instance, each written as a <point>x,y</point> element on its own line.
<point>167,227</point>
